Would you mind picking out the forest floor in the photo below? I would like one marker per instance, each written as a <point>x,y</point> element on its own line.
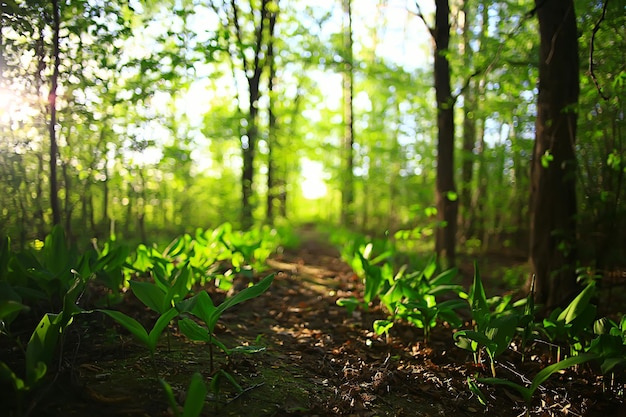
<point>318,360</point>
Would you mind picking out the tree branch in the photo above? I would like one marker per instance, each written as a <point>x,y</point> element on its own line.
<point>592,73</point>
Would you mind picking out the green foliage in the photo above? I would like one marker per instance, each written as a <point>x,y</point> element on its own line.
<point>573,325</point>
<point>194,400</point>
<point>202,307</point>
<point>411,297</point>
<point>542,376</point>
<point>494,329</point>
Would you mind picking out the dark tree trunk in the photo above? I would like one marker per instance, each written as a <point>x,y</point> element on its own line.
<point>52,98</point>
<point>253,71</point>
<point>272,124</point>
<point>553,170</point>
<point>347,192</point>
<point>445,195</point>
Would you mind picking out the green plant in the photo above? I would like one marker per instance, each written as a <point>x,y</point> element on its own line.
<point>493,330</point>
<point>202,307</point>
<point>527,392</point>
<point>43,343</point>
<point>610,343</point>
<point>573,325</point>
<point>194,400</point>
<point>149,339</point>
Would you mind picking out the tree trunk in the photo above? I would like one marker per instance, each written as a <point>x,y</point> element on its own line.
<point>272,124</point>
<point>553,169</point>
<point>347,192</point>
<point>469,131</point>
<point>52,98</point>
<point>445,195</point>
<point>252,71</point>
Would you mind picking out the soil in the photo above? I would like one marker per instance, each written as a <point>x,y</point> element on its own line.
<point>318,360</point>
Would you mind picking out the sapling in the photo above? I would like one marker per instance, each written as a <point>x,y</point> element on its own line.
<point>201,306</point>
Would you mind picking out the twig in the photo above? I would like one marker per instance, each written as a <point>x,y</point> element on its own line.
<point>595,30</point>
<point>246,390</point>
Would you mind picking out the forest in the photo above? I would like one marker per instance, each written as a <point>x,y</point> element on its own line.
<point>297,207</point>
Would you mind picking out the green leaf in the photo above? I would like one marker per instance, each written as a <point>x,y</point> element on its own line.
<point>548,371</point>
<point>170,397</point>
<point>546,158</point>
<point>204,309</point>
<point>244,295</point>
<point>8,307</point>
<point>159,326</point>
<point>478,301</point>
<point>6,374</point>
<point>41,347</point>
<point>525,392</point>
<point>55,251</point>
<point>382,326</point>
<point>130,324</point>
<point>151,295</point>
<point>196,394</point>
<point>578,305</point>
<point>193,330</point>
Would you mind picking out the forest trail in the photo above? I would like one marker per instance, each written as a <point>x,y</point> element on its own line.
<point>318,360</point>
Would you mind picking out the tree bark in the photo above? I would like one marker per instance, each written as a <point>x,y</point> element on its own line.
<point>469,131</point>
<point>445,194</point>
<point>553,169</point>
<point>52,98</point>
<point>272,124</point>
<point>347,192</point>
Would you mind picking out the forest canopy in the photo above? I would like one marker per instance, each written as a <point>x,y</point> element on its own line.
<point>148,119</point>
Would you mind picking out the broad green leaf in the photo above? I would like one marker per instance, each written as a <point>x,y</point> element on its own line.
<point>196,394</point>
<point>8,307</point>
<point>193,330</point>
<point>578,305</point>
<point>444,278</point>
<point>151,295</point>
<point>244,295</point>
<point>159,326</point>
<point>181,285</point>
<point>204,309</point>
<point>548,371</point>
<point>55,251</point>
<point>170,397</point>
<point>41,347</point>
<point>130,324</point>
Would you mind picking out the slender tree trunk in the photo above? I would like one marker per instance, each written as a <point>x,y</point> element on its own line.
<point>445,195</point>
<point>347,192</point>
<point>477,224</point>
<point>272,124</point>
<point>253,71</point>
<point>469,130</point>
<point>553,170</point>
<point>52,98</point>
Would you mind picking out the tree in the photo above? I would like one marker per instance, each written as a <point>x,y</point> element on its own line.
<point>252,54</point>
<point>347,186</point>
<point>553,171</point>
<point>52,103</point>
<point>446,198</point>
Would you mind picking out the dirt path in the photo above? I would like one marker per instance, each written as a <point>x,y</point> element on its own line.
<point>318,360</point>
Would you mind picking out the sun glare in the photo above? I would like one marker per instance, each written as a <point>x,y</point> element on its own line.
<point>313,185</point>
